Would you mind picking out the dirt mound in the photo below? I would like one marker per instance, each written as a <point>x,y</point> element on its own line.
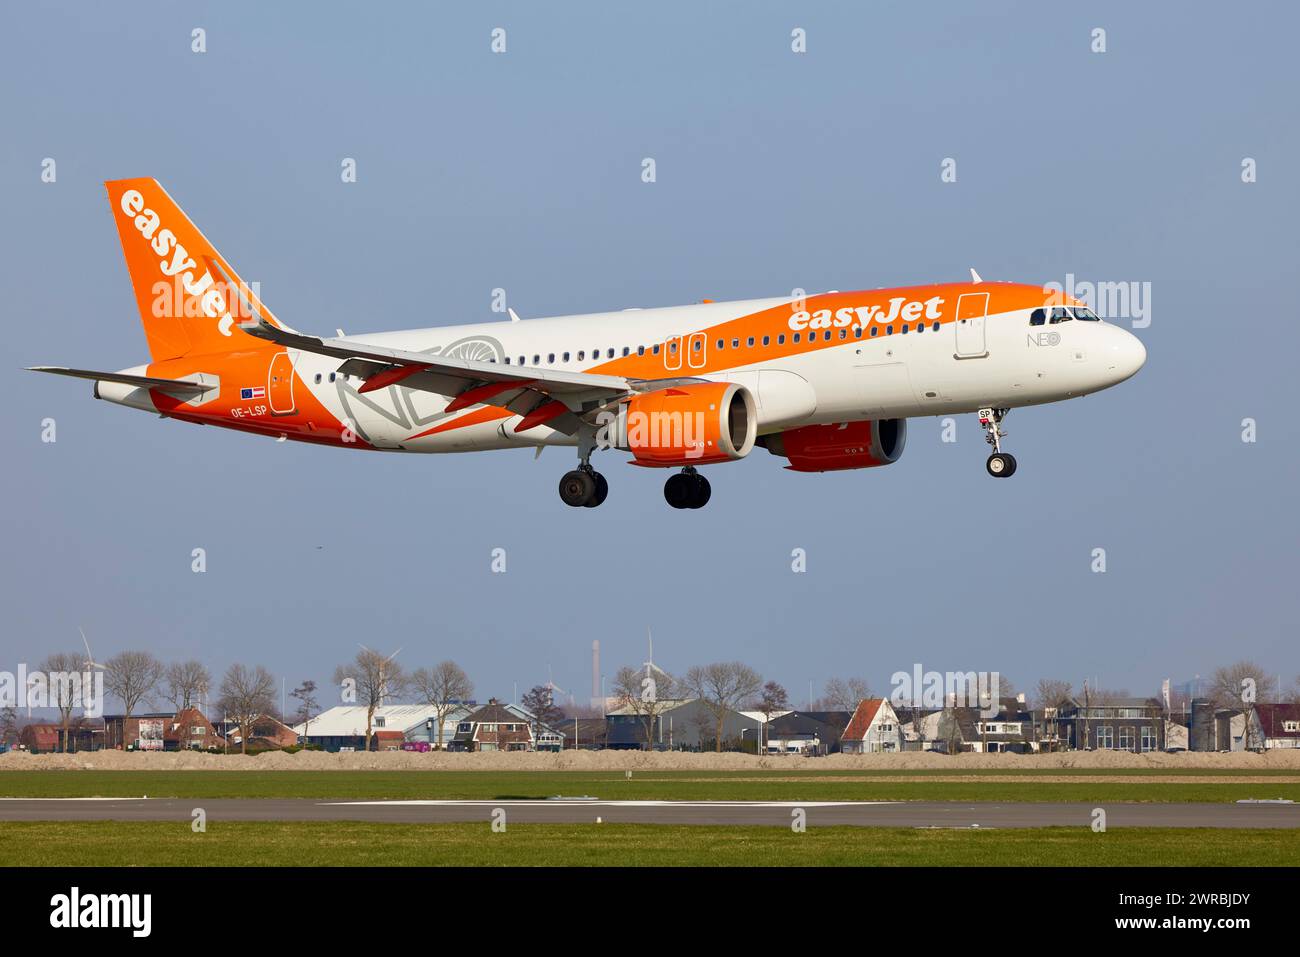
<point>639,761</point>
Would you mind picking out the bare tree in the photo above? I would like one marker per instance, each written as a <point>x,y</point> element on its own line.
<point>63,672</point>
<point>377,679</point>
<point>185,683</point>
<point>8,725</point>
<point>539,701</point>
<point>771,699</point>
<point>1229,686</point>
<point>647,694</point>
<point>1052,693</point>
<point>132,676</point>
<point>949,731</point>
<point>721,687</point>
<point>844,694</point>
<point>442,687</point>
<point>246,695</point>
<point>308,705</point>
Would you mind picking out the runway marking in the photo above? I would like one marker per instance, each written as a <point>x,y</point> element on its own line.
<point>515,802</point>
<point>83,799</point>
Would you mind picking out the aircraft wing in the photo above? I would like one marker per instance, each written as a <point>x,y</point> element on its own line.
<point>551,396</point>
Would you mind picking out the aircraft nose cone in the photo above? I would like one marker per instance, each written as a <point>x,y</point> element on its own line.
<point>1127,354</point>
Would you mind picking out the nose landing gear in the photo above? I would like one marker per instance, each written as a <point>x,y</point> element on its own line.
<point>1000,464</point>
<point>687,489</point>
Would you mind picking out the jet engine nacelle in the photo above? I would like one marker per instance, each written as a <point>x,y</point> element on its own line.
<point>842,445</point>
<point>694,423</point>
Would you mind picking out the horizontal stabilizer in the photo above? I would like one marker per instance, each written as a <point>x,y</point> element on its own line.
<point>172,386</point>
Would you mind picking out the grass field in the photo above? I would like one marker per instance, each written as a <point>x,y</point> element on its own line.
<point>1056,785</point>
<point>347,843</point>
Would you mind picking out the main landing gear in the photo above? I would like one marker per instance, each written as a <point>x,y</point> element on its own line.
<point>1000,464</point>
<point>584,487</point>
<point>687,489</point>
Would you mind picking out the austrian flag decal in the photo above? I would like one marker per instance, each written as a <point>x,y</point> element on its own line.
<point>256,392</point>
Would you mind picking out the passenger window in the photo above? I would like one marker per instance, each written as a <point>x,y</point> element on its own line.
<point>672,347</point>
<point>566,357</point>
<point>1038,317</point>
<point>844,333</point>
<point>874,330</point>
<point>537,360</point>
<point>904,329</point>
<point>857,332</point>
<point>767,340</point>
<point>780,340</point>
<point>318,378</point>
<point>920,327</point>
<point>750,342</point>
<point>627,350</point>
<point>796,337</point>
<point>889,330</point>
<point>696,345</point>
<point>550,358</point>
<point>581,355</point>
<point>522,362</point>
<point>935,327</point>
<point>827,335</point>
<point>611,354</point>
<point>655,350</point>
<point>507,360</point>
<point>640,350</point>
<point>735,343</point>
<point>331,376</point>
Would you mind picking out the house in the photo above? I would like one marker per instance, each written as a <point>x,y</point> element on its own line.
<point>680,724</point>
<point>344,727</point>
<point>493,727</point>
<point>873,728</point>
<point>268,732</point>
<point>1013,729</point>
<point>139,732</point>
<point>1112,724</point>
<point>806,732</point>
<point>190,730</point>
<point>1277,725</point>
<point>586,733</point>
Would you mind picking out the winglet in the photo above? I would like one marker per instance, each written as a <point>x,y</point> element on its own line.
<point>974,276</point>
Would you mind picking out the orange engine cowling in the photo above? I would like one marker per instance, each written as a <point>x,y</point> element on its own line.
<point>843,445</point>
<point>695,423</point>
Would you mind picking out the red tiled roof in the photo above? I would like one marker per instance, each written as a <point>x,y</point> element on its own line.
<point>862,718</point>
<point>1272,716</point>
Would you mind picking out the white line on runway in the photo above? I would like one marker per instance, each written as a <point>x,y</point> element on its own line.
<point>548,803</point>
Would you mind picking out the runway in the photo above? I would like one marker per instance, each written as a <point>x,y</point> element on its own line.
<point>908,814</point>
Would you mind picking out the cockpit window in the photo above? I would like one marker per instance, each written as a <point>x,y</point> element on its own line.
<point>1060,314</point>
<point>1038,317</point>
<point>1086,314</point>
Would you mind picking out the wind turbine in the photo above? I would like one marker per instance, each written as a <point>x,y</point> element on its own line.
<point>553,687</point>
<point>649,663</point>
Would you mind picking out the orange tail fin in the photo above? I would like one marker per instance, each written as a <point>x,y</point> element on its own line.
<point>191,301</point>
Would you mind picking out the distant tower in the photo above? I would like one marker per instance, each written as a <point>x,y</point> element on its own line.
<point>596,701</point>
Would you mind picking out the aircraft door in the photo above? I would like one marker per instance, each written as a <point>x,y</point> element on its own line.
<point>279,383</point>
<point>972,308</point>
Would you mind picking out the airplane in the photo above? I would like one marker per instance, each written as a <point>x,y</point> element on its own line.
<point>826,381</point>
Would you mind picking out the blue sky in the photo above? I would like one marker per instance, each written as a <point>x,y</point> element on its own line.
<point>775,170</point>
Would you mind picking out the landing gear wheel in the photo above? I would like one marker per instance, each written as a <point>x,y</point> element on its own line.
<point>601,492</point>
<point>687,489</point>
<point>577,488</point>
<point>677,490</point>
<point>1001,465</point>
<point>700,492</point>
